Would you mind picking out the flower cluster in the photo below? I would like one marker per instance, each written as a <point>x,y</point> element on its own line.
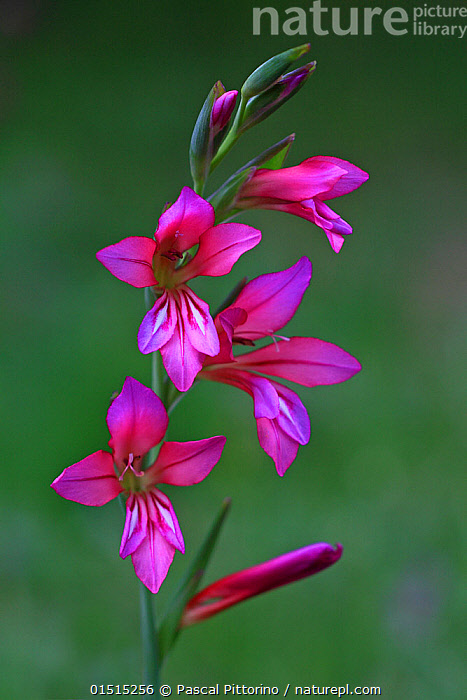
<point>192,239</point>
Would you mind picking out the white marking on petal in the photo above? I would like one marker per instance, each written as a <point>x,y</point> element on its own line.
<point>167,517</point>
<point>199,317</point>
<point>161,314</point>
<point>285,410</point>
<point>134,519</point>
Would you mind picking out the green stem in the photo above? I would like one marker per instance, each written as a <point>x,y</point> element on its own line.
<point>156,372</point>
<point>149,638</point>
<point>173,398</point>
<point>149,633</point>
<point>198,186</point>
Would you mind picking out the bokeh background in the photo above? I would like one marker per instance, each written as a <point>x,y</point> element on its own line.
<point>97,104</point>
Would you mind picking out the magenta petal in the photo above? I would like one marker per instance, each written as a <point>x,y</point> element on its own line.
<point>161,512</point>
<point>307,361</point>
<point>309,179</point>
<point>219,249</point>
<point>91,481</point>
<point>265,399</point>
<point>226,322</point>
<point>271,300</point>
<point>186,463</point>
<point>153,558</point>
<point>183,223</point>
<point>328,219</point>
<point>353,177</point>
<point>282,419</point>
<point>293,416</point>
<point>262,391</point>
<point>336,240</point>
<point>135,529</point>
<point>158,325</point>
<point>222,110</point>
<point>308,210</point>
<point>332,224</point>
<point>194,336</point>
<point>137,421</point>
<point>197,321</point>
<point>181,360</point>
<point>281,436</point>
<point>277,444</point>
<point>130,260</point>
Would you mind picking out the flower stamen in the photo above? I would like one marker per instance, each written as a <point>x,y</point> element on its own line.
<point>172,255</point>
<point>129,465</point>
<point>274,338</point>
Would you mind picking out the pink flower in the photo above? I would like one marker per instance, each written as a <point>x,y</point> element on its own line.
<point>303,189</point>
<point>280,571</point>
<point>264,306</point>
<point>179,324</point>
<point>137,421</point>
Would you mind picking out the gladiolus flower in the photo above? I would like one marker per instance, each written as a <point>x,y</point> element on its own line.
<point>179,324</point>
<point>271,574</point>
<point>303,190</point>
<point>137,422</point>
<point>263,307</point>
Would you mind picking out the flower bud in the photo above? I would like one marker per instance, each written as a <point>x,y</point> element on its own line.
<point>200,139</point>
<point>268,73</point>
<point>222,110</point>
<point>213,118</point>
<point>258,579</point>
<point>264,104</point>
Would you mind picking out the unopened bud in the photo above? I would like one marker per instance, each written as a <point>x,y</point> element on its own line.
<point>258,579</point>
<point>222,110</point>
<point>264,104</point>
<point>268,73</point>
<point>213,118</point>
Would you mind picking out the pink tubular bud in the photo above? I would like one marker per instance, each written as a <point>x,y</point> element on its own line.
<point>258,579</point>
<point>222,110</point>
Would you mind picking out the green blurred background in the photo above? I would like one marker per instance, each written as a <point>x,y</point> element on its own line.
<point>97,104</point>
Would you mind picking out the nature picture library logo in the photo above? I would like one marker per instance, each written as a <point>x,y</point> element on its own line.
<point>423,19</point>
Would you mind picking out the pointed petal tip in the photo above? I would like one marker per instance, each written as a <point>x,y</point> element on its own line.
<point>335,239</point>
<point>91,482</point>
<point>304,263</point>
<point>130,260</point>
